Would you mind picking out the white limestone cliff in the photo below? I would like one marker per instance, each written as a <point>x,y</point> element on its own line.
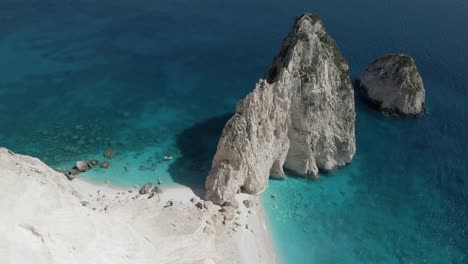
<point>300,117</point>
<point>47,219</point>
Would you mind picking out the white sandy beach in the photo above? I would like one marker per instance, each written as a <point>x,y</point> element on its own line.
<point>43,220</point>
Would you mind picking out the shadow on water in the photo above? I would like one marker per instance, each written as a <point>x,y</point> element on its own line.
<point>197,145</point>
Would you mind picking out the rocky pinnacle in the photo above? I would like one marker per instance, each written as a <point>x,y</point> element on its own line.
<point>392,83</point>
<point>300,116</point>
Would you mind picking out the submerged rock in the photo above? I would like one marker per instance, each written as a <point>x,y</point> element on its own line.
<point>105,165</point>
<point>392,83</point>
<point>300,116</point>
<point>109,153</point>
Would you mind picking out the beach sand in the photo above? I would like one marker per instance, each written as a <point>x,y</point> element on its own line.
<point>45,218</point>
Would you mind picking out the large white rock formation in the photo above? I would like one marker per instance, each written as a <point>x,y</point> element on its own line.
<point>300,116</point>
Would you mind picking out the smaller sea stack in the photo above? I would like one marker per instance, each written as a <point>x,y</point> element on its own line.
<point>393,84</point>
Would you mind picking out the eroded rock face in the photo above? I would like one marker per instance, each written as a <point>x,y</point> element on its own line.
<point>300,116</point>
<point>392,83</point>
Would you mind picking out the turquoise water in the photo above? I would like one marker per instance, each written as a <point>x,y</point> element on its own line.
<point>155,78</point>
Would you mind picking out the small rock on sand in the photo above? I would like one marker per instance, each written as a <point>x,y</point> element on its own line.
<point>233,203</point>
<point>195,199</point>
<point>169,203</point>
<point>72,174</point>
<point>228,213</point>
<point>208,230</point>
<point>208,205</point>
<point>248,203</point>
<point>146,188</point>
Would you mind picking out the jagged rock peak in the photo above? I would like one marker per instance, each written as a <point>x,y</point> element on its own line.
<point>300,117</point>
<point>393,84</point>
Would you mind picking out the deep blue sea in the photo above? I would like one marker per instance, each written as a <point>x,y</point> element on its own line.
<point>150,78</point>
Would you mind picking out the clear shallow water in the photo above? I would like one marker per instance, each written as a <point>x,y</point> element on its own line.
<point>155,78</point>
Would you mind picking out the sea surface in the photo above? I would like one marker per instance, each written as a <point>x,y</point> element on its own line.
<point>154,78</point>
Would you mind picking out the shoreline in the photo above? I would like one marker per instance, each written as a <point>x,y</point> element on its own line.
<point>250,245</point>
<point>263,243</point>
<point>54,220</point>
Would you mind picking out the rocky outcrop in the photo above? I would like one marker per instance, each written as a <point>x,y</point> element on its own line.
<point>146,188</point>
<point>392,83</point>
<point>82,166</point>
<point>300,116</point>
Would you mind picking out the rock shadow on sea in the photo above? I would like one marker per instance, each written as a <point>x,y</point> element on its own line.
<point>197,145</point>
